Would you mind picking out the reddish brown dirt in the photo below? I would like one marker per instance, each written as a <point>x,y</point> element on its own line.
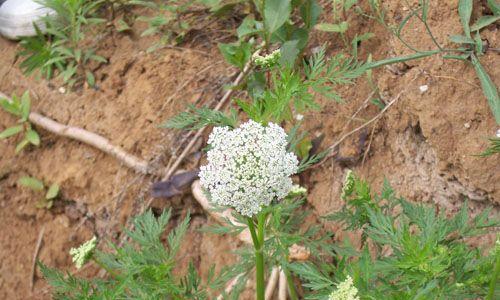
<point>423,145</point>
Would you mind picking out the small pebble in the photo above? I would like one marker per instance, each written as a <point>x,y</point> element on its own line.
<point>299,117</point>
<point>62,90</point>
<point>467,125</point>
<point>424,88</point>
<point>498,133</point>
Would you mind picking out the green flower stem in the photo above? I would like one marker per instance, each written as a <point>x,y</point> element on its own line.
<point>258,242</point>
<point>291,288</point>
<point>493,282</point>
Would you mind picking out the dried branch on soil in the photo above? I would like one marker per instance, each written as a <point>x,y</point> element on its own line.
<point>89,138</point>
<point>35,257</point>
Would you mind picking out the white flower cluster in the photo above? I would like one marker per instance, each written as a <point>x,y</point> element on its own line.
<point>248,167</point>
<point>345,291</point>
<point>348,187</point>
<point>267,61</point>
<point>83,253</point>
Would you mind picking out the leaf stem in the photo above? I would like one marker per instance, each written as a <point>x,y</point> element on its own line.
<point>491,291</point>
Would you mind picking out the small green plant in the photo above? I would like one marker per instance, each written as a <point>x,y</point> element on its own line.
<point>141,269</point>
<point>339,10</point>
<point>494,147</point>
<point>470,44</point>
<point>20,108</point>
<point>410,251</point>
<point>167,22</point>
<point>63,48</point>
<point>51,193</point>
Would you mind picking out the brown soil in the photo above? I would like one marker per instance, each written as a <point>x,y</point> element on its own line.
<point>423,145</point>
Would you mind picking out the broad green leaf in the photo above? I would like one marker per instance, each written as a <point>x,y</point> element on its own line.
<point>494,5</point>
<point>11,131</point>
<point>461,39</point>
<point>310,11</point>
<point>10,107</point>
<point>465,12</point>
<point>483,22</point>
<point>25,106</point>
<point>52,192</point>
<point>276,13</point>
<point>21,145</point>
<point>33,137</point>
<point>247,27</point>
<point>289,52</point>
<point>328,27</point>
<point>237,53</point>
<point>31,182</point>
<point>489,88</point>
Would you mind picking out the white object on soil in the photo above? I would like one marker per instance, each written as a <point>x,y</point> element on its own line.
<point>18,16</point>
<point>424,88</point>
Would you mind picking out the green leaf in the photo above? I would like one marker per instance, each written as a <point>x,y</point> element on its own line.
<point>465,12</point>
<point>489,88</point>
<point>33,137</point>
<point>53,192</point>
<point>310,11</point>
<point>289,52</point>
<point>90,78</point>
<point>494,6</point>
<point>248,27</point>
<point>483,22</point>
<point>10,107</point>
<point>276,13</point>
<point>10,131</point>
<point>388,61</point>
<point>21,145</point>
<point>461,39</point>
<point>31,182</point>
<point>25,106</point>
<point>328,27</point>
<point>237,53</point>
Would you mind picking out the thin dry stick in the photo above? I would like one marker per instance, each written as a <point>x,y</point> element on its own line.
<point>271,283</point>
<point>230,286</point>
<point>35,257</point>
<point>89,138</point>
<point>380,114</point>
<point>200,131</point>
<point>282,289</point>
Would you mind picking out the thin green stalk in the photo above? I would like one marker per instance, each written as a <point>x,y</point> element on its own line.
<point>493,282</point>
<point>291,287</point>
<point>258,239</point>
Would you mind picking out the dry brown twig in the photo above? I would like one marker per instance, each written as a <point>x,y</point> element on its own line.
<point>332,147</point>
<point>89,138</point>
<point>35,257</point>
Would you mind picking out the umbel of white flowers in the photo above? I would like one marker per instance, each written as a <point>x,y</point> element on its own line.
<point>248,167</point>
<point>83,253</point>
<point>345,291</point>
<point>267,61</point>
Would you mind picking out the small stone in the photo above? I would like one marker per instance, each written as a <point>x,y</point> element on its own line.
<point>62,90</point>
<point>424,88</point>
<point>498,133</point>
<point>467,125</point>
<point>299,117</point>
